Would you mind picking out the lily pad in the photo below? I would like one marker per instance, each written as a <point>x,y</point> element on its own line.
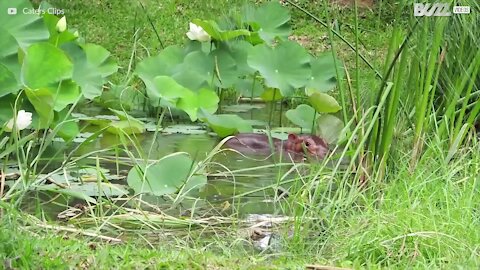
<point>303,116</point>
<point>324,75</point>
<point>87,190</point>
<point>92,65</point>
<point>25,28</point>
<point>286,67</point>
<point>185,129</point>
<point>225,68</point>
<point>226,124</point>
<point>271,94</point>
<point>165,176</point>
<point>239,108</point>
<point>270,21</point>
<point>330,128</point>
<point>324,103</point>
<point>8,82</point>
<point>249,88</point>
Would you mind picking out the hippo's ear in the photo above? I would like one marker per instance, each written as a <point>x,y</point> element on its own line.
<point>292,137</point>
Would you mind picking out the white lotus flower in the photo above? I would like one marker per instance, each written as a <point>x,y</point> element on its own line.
<point>24,119</point>
<point>61,24</point>
<point>197,33</point>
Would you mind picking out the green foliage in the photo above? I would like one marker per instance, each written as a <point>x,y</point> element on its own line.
<point>279,73</point>
<point>92,65</point>
<point>324,73</point>
<point>125,125</point>
<point>303,116</point>
<point>324,103</point>
<point>252,56</point>
<point>269,21</point>
<point>212,28</point>
<point>226,124</point>
<point>54,69</point>
<point>165,176</point>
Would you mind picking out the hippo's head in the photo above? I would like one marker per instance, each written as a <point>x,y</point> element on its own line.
<point>314,145</point>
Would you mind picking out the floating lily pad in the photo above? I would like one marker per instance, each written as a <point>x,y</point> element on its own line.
<point>87,190</point>
<point>238,108</point>
<point>226,124</point>
<point>185,129</point>
<point>152,127</point>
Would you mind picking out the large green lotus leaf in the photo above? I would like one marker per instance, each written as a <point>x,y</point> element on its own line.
<point>25,28</point>
<point>9,53</point>
<point>196,71</point>
<point>165,176</point>
<point>239,51</point>
<point>324,76</point>
<point>66,125</point>
<point>66,93</point>
<point>193,46</point>
<point>205,99</point>
<point>167,89</point>
<point>303,116</point>
<point>121,123</point>
<point>100,58</point>
<point>43,101</point>
<point>6,108</point>
<point>166,63</point>
<point>249,88</point>
<point>330,128</point>
<point>215,32</point>
<point>225,68</point>
<point>91,65</point>
<point>195,182</point>
<point>272,19</point>
<point>8,45</point>
<point>120,96</point>
<point>324,103</point>
<point>45,65</point>
<point>8,82</point>
<point>285,67</point>
<point>226,124</point>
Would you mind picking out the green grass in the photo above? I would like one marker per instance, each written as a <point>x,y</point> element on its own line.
<point>26,246</point>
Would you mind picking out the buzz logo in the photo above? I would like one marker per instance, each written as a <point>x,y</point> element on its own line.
<point>436,9</point>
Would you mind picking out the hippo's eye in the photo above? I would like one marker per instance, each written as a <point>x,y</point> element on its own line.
<point>307,144</point>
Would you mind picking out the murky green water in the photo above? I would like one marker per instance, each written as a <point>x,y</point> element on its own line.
<point>230,190</point>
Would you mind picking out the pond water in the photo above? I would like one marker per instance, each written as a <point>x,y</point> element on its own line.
<point>231,187</point>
